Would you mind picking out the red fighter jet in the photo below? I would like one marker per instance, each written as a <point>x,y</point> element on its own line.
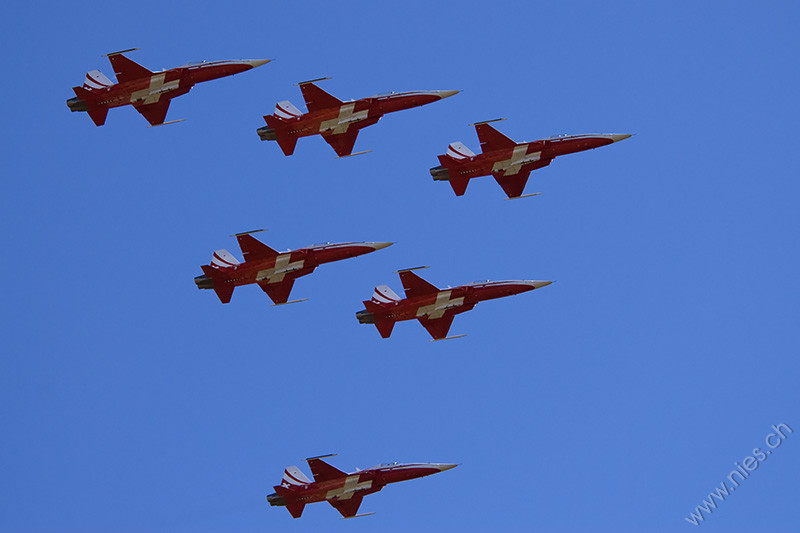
<point>148,92</point>
<point>435,308</point>
<point>338,122</point>
<point>343,491</point>
<point>274,272</point>
<point>510,162</point>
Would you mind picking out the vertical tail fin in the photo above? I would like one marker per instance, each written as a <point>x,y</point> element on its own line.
<point>223,259</point>
<point>286,111</point>
<point>383,295</point>
<point>459,152</point>
<point>96,80</point>
<point>293,476</point>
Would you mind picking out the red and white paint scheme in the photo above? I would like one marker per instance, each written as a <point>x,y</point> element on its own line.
<point>338,122</point>
<point>509,162</point>
<point>274,272</point>
<point>343,491</point>
<point>148,92</point>
<point>435,308</point>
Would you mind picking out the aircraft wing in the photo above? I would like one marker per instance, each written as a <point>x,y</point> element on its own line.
<point>438,327</point>
<point>126,69</point>
<point>415,285</point>
<point>342,143</point>
<point>514,184</point>
<point>348,508</point>
<point>491,139</point>
<point>278,292</point>
<point>253,249</point>
<point>156,112</point>
<point>322,471</point>
<point>317,99</point>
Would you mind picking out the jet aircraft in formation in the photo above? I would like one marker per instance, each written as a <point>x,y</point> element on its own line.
<point>274,272</point>
<point>338,122</point>
<point>343,491</point>
<point>148,92</point>
<point>435,308</point>
<point>509,162</point>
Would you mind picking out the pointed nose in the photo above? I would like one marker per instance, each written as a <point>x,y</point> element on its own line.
<point>257,62</point>
<point>380,245</point>
<point>616,137</point>
<point>539,284</point>
<point>445,466</point>
<point>445,94</point>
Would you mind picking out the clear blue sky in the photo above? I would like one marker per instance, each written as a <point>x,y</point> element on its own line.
<point>615,399</point>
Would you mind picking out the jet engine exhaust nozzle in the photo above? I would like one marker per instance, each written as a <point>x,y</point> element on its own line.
<point>267,134</point>
<point>275,500</point>
<point>440,174</point>
<point>365,317</point>
<point>76,104</point>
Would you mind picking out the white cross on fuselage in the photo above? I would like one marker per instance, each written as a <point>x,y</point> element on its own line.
<point>278,272</point>
<point>442,304</point>
<point>346,491</point>
<point>154,91</point>
<point>519,157</point>
<point>343,121</point>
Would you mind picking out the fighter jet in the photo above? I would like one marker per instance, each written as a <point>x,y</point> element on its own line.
<point>338,122</point>
<point>509,162</point>
<point>435,308</point>
<point>343,491</point>
<point>148,92</point>
<point>274,272</point>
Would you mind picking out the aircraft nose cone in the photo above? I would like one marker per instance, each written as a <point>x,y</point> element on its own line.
<point>616,137</point>
<point>445,94</point>
<point>257,62</point>
<point>444,466</point>
<point>539,284</point>
<point>380,245</point>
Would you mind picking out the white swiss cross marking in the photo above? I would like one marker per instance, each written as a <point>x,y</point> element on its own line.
<point>442,304</point>
<point>346,491</point>
<point>343,121</point>
<point>153,93</point>
<point>278,272</point>
<point>519,157</point>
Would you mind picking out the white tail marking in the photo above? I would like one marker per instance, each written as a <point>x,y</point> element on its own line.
<point>223,259</point>
<point>457,150</point>
<point>286,110</point>
<point>96,80</point>
<point>384,295</point>
<point>294,476</point>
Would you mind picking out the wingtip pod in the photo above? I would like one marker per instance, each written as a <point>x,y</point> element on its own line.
<point>410,269</point>
<point>249,232</point>
<point>321,456</point>
<point>120,52</point>
<point>488,121</point>
<point>312,81</point>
